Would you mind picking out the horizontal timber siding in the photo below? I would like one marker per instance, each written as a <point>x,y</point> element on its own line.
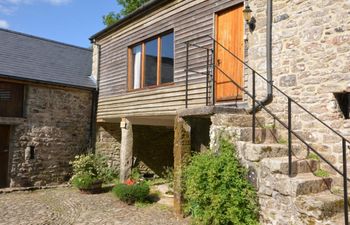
<point>188,19</point>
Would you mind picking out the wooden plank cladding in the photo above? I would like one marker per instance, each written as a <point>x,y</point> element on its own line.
<point>188,19</point>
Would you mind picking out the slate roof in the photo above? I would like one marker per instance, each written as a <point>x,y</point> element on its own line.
<point>27,57</point>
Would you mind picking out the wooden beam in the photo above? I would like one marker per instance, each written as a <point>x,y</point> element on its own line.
<point>130,75</point>
<point>159,61</point>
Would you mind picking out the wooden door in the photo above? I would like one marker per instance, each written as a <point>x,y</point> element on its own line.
<point>4,154</point>
<point>230,34</point>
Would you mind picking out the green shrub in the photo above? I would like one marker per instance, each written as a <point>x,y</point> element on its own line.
<point>83,181</point>
<point>132,193</point>
<point>89,169</point>
<point>217,191</point>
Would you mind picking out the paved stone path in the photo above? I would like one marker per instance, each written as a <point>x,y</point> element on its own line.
<point>68,206</point>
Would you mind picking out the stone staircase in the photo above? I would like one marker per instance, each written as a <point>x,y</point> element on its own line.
<point>301,199</point>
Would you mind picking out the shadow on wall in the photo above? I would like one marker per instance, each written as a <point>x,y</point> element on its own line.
<point>153,147</point>
<point>108,141</point>
<point>200,129</point>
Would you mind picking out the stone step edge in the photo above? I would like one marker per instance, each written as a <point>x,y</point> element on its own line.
<point>297,163</point>
<point>302,184</point>
<point>327,203</point>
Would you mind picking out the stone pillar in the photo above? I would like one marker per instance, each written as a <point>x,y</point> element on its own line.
<point>182,153</point>
<point>126,149</point>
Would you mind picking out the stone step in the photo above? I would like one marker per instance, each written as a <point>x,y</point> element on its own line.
<point>237,120</point>
<point>321,205</point>
<point>338,219</point>
<point>262,135</point>
<point>302,184</point>
<point>257,152</point>
<point>281,165</point>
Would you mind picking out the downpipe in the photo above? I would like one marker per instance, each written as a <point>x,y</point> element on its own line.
<point>95,94</point>
<point>269,97</point>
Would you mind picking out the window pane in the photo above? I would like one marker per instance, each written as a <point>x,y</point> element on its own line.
<point>136,66</point>
<point>167,66</point>
<point>151,52</point>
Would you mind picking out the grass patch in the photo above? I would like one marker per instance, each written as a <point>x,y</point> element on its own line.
<point>282,141</point>
<point>321,173</point>
<point>313,156</point>
<point>269,126</point>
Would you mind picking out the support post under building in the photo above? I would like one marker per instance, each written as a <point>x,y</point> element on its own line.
<point>126,151</point>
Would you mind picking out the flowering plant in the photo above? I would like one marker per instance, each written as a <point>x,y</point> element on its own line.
<point>129,182</point>
<point>90,169</point>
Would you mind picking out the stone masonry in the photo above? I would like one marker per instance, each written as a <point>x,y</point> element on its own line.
<point>108,140</point>
<point>300,199</point>
<point>57,125</point>
<point>311,53</point>
<point>152,146</point>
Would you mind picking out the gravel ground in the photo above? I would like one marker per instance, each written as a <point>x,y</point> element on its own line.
<point>68,206</point>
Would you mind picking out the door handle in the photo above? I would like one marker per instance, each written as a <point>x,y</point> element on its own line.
<point>219,62</point>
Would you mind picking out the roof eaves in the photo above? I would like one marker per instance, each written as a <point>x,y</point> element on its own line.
<point>47,82</point>
<point>141,11</point>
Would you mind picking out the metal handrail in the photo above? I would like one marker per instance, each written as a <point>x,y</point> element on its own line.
<point>288,126</point>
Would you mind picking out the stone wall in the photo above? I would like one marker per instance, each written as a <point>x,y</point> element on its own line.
<point>108,139</point>
<point>152,146</point>
<point>57,125</point>
<point>311,53</point>
<point>278,204</point>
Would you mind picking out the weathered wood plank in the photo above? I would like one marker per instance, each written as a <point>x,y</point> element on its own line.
<point>188,19</point>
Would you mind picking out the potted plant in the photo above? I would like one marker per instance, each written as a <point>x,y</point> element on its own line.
<point>90,172</point>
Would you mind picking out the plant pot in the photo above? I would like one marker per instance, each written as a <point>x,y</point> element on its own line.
<point>95,188</point>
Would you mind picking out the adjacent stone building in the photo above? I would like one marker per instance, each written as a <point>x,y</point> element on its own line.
<point>46,108</point>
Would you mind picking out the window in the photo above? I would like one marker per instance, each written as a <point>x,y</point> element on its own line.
<point>151,62</point>
<point>11,99</point>
<point>343,100</point>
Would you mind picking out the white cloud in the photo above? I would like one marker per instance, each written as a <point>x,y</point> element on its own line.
<point>10,6</point>
<point>4,24</point>
<point>57,2</point>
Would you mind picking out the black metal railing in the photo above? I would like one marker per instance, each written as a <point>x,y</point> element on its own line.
<point>257,105</point>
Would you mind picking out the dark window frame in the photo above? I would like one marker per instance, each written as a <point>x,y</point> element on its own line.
<point>16,105</point>
<point>130,63</point>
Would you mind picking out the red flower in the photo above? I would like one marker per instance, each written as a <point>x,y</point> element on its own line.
<point>129,182</point>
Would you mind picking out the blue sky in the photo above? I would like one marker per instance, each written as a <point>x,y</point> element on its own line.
<point>68,21</point>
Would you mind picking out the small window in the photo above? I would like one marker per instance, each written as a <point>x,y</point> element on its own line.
<point>11,99</point>
<point>151,63</point>
<point>343,100</point>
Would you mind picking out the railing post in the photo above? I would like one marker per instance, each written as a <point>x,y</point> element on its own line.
<point>345,184</point>
<point>214,70</point>
<point>207,81</point>
<point>186,94</point>
<point>289,137</point>
<point>254,108</point>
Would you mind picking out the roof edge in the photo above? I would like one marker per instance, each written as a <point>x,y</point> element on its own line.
<point>141,11</point>
<point>47,82</point>
<point>44,39</point>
